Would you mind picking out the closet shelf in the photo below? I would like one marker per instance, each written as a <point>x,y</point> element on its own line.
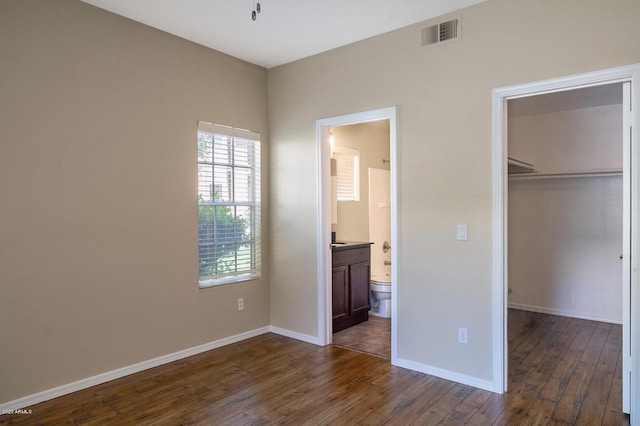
<point>565,175</point>
<point>516,166</point>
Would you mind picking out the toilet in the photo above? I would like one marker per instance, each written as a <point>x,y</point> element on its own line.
<point>380,290</point>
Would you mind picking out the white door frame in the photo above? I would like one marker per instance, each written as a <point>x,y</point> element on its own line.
<point>631,298</point>
<point>324,217</point>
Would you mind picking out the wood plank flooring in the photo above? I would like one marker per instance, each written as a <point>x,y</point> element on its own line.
<point>372,336</point>
<point>563,371</point>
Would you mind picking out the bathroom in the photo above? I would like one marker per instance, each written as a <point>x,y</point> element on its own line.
<point>361,212</point>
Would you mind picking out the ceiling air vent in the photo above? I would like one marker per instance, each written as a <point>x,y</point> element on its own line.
<point>440,32</point>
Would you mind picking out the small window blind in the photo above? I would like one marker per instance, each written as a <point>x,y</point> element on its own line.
<point>228,204</point>
<point>347,173</point>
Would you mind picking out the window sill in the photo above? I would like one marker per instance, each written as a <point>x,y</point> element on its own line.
<point>214,282</point>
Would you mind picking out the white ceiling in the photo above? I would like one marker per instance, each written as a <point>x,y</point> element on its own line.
<point>285,30</point>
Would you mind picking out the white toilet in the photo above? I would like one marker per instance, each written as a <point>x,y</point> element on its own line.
<point>380,290</point>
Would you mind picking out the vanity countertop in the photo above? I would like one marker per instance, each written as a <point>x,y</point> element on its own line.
<point>347,245</point>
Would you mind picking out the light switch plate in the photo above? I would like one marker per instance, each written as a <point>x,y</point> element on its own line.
<point>462,232</point>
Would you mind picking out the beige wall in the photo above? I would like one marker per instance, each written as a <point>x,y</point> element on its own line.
<point>98,219</point>
<point>443,95</point>
<point>372,141</point>
<point>98,260</point>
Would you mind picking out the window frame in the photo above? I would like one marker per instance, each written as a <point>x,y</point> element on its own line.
<point>236,138</point>
<point>352,188</point>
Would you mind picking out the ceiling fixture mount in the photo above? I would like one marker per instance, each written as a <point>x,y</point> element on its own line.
<point>256,10</point>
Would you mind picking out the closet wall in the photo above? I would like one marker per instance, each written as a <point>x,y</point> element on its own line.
<point>565,234</point>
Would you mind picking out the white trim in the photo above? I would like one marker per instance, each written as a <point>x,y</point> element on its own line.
<point>323,221</point>
<point>551,311</point>
<point>499,264</point>
<point>125,371</point>
<point>295,335</point>
<point>446,374</point>
<point>324,217</point>
<point>499,296</point>
<point>395,256</point>
<point>629,225</point>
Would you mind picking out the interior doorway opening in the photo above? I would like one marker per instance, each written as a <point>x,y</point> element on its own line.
<point>501,97</point>
<point>361,212</point>
<point>565,276</point>
<point>386,117</point>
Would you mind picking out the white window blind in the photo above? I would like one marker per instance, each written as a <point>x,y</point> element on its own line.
<point>228,204</point>
<point>347,173</point>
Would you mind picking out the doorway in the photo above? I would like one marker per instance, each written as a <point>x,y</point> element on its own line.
<point>565,236</point>
<point>501,99</point>
<point>323,133</point>
<point>565,210</point>
<point>361,212</point>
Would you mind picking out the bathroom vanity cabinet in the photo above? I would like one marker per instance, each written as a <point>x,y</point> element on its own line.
<point>351,274</point>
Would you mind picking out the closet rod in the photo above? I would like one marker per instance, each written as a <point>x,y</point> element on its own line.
<point>564,175</point>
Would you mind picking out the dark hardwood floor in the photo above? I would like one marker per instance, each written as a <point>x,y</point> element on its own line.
<point>563,371</point>
<point>372,336</point>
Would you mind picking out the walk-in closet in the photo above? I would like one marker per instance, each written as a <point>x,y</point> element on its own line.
<point>565,211</point>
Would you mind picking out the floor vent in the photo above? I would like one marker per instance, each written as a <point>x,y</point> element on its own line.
<point>438,33</point>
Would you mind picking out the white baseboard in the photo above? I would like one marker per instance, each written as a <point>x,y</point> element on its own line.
<point>125,371</point>
<point>295,335</point>
<point>561,313</point>
<point>446,374</point>
<point>141,366</point>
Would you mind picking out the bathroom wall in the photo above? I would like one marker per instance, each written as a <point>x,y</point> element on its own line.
<point>571,130</point>
<point>380,220</point>
<point>372,140</point>
<point>565,235</point>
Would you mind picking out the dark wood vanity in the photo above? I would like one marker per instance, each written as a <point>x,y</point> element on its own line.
<point>351,274</point>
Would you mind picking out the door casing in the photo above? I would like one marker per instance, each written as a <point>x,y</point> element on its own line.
<point>631,301</point>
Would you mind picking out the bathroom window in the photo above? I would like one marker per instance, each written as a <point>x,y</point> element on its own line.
<point>228,204</point>
<point>347,173</point>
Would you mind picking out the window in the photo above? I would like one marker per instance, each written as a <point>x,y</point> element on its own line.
<point>347,173</point>
<point>228,204</point>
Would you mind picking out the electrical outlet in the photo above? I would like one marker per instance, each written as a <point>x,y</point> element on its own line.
<point>463,335</point>
<point>241,304</point>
